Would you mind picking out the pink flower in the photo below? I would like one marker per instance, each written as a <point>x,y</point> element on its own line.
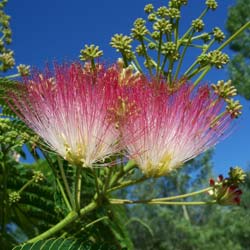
<point>171,128</point>
<point>70,112</point>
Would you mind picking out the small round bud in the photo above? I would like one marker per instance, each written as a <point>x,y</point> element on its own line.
<point>121,42</point>
<point>14,197</point>
<point>163,26</point>
<point>211,4</point>
<point>90,52</point>
<point>177,3</point>
<point>149,8</point>
<point>163,11</point>
<point>234,108</point>
<point>23,70</point>
<point>139,30</point>
<point>139,50</point>
<point>38,176</point>
<point>205,37</point>
<point>224,89</point>
<point>237,175</point>
<point>218,34</point>
<point>198,25</point>
<point>7,60</point>
<point>151,17</point>
<point>151,45</point>
<point>155,35</point>
<point>215,58</point>
<point>174,13</point>
<point>170,49</point>
<point>149,64</point>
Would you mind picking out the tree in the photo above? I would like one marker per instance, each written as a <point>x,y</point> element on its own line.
<point>239,67</point>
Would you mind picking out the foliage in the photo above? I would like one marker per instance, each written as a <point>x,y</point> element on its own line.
<point>239,70</point>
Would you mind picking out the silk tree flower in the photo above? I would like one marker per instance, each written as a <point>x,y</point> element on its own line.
<point>70,112</point>
<point>171,128</point>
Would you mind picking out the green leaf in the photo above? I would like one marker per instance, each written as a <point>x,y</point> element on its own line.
<point>64,244</point>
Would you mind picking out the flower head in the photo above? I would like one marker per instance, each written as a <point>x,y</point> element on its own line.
<point>69,110</point>
<point>171,128</point>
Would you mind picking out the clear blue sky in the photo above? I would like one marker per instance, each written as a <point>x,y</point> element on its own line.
<point>49,30</point>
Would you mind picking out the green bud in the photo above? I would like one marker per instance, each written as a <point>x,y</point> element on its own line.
<point>149,8</point>
<point>7,60</point>
<point>234,108</point>
<point>215,58</point>
<point>23,70</point>
<point>149,64</point>
<point>177,3</point>
<point>218,34</point>
<point>90,52</point>
<point>198,25</point>
<point>163,11</point>
<point>139,50</point>
<point>211,4</point>
<point>14,197</point>
<point>169,48</point>
<point>151,17</point>
<point>236,175</point>
<point>139,29</point>
<point>174,13</point>
<point>121,42</point>
<point>38,176</point>
<point>205,37</point>
<point>155,35</point>
<point>224,89</point>
<point>151,45</point>
<point>163,26</point>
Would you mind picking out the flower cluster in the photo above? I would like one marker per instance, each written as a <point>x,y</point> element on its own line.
<point>87,116</point>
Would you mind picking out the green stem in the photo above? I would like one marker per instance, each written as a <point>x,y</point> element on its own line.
<point>13,76</point>
<point>78,185</point>
<point>183,195</point>
<point>202,75</point>
<point>147,57</point>
<point>94,222</point>
<point>128,183</point>
<point>191,28</point>
<point>136,65</point>
<point>107,180</point>
<point>96,183</point>
<point>231,38</point>
<point>66,184</point>
<point>130,165</point>
<point>159,56</point>
<point>64,195</point>
<point>25,185</point>
<point>71,217</point>
<point>182,56</point>
<point>122,202</point>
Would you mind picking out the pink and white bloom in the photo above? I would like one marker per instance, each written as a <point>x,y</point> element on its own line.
<point>171,128</point>
<point>70,112</point>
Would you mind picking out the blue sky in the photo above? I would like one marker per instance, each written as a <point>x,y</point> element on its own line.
<point>56,30</point>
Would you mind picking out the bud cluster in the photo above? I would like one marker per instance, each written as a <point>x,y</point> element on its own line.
<point>226,191</point>
<point>90,52</point>
<point>6,56</point>
<point>38,176</point>
<point>14,197</point>
<point>226,90</point>
<point>164,41</point>
<point>23,70</point>
<point>122,44</point>
<point>214,58</point>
